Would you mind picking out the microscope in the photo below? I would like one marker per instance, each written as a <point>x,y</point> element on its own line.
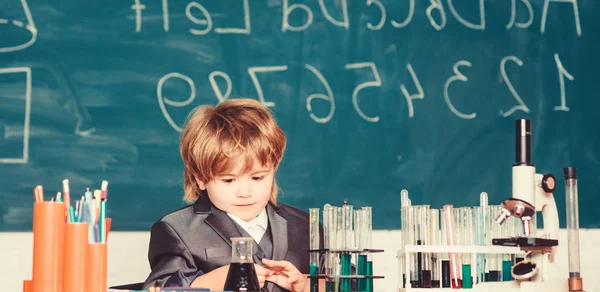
<point>532,192</point>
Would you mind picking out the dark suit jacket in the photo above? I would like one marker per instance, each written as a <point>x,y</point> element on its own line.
<point>195,240</point>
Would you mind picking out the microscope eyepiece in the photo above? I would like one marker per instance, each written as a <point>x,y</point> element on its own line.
<point>523,142</point>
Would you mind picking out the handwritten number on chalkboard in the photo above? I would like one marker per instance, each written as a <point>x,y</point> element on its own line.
<point>521,106</point>
<point>374,83</point>
<point>263,69</point>
<point>165,11</point>
<point>222,94</point>
<point>215,86</point>
<point>461,77</point>
<point>562,73</point>
<point>207,21</point>
<point>328,97</point>
<point>409,97</point>
<point>381,20</point>
<point>163,100</point>
<point>437,5</point>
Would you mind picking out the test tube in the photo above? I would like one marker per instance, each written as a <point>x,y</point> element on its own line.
<point>490,259</point>
<point>468,239</point>
<point>404,200</point>
<point>368,213</point>
<point>326,234</point>
<point>445,262</point>
<point>347,243</point>
<point>450,239</point>
<point>506,230</point>
<point>348,238</point>
<point>483,203</point>
<point>405,231</point>
<point>425,275</point>
<point>358,236</point>
<point>494,261</point>
<point>314,232</point>
<point>314,244</point>
<point>334,260</point>
<point>479,240</point>
<point>412,237</point>
<point>483,199</point>
<point>419,241</point>
<point>368,230</point>
<point>434,235</point>
<point>498,233</point>
<point>575,280</point>
<point>339,245</point>
<point>458,225</point>
<point>402,267</point>
<point>458,238</point>
<point>359,233</point>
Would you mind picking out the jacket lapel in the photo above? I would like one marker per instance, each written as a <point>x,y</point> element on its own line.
<point>218,221</point>
<point>279,237</point>
<point>279,233</point>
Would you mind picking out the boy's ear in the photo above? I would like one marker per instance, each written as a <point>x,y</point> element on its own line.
<point>201,184</point>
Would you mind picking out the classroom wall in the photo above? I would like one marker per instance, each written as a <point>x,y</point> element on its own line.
<point>369,108</point>
<point>127,258</point>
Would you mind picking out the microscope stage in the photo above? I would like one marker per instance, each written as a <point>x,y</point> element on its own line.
<point>525,242</point>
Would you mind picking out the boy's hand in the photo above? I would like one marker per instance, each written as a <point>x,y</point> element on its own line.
<point>262,274</point>
<point>286,275</point>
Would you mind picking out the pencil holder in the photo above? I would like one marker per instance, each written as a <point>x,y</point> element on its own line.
<point>76,242</point>
<point>27,286</point>
<point>48,237</point>
<point>95,267</point>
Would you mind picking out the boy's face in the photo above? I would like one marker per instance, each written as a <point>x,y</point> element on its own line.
<point>244,195</point>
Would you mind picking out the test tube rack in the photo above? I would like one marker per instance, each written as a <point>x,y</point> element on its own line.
<point>347,239</point>
<point>507,286</point>
<point>345,251</point>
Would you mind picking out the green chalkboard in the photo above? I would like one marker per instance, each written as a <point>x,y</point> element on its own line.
<point>374,96</point>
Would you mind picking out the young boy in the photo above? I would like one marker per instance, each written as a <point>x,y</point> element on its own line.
<point>231,153</point>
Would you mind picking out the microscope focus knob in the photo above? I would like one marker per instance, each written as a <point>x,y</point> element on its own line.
<point>548,183</point>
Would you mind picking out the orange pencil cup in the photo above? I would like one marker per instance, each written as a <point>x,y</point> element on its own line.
<point>95,267</point>
<point>27,286</point>
<point>76,242</point>
<point>48,237</point>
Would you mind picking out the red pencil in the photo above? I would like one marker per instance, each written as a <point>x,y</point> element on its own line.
<point>104,188</point>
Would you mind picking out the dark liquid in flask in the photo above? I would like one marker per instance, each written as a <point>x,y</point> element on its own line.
<point>242,277</point>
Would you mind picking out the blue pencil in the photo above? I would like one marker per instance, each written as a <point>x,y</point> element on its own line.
<point>102,223</point>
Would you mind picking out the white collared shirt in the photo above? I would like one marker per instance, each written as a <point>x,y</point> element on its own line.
<point>256,227</point>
